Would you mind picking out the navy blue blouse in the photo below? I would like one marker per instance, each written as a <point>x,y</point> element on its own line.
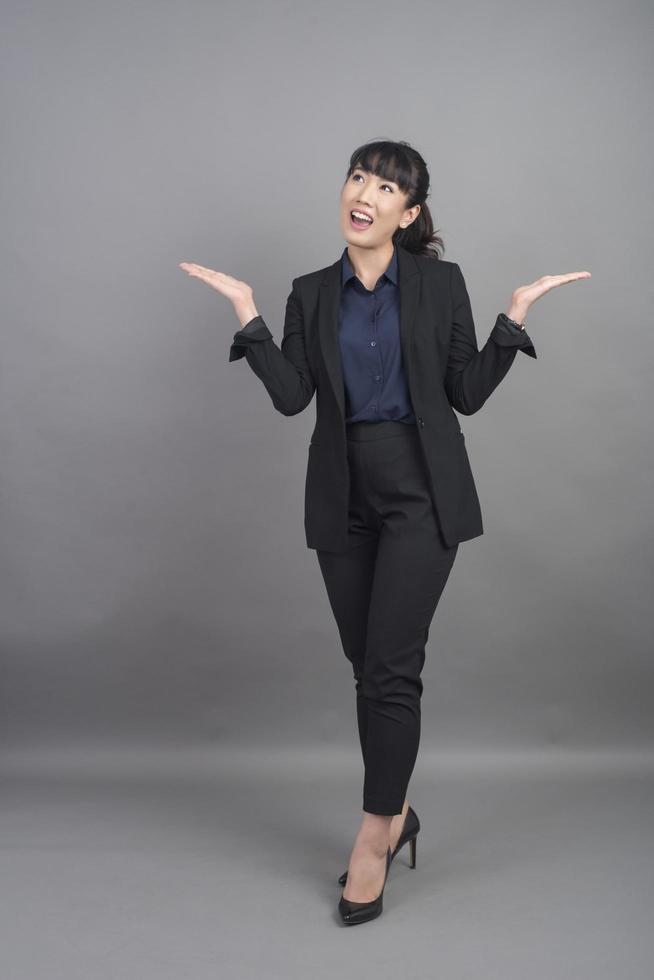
<point>369,341</point>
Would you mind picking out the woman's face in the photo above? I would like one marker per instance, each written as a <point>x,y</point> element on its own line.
<point>382,200</point>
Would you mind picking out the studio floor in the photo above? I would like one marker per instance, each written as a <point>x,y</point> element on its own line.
<point>131,863</point>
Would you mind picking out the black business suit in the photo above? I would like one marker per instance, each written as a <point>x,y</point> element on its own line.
<point>386,502</point>
<point>444,370</point>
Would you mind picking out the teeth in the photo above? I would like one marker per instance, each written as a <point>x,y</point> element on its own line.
<point>360,214</point>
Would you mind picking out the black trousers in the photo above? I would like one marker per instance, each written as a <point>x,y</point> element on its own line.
<point>383,591</point>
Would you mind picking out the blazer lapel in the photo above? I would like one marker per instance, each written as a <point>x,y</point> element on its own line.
<point>329,301</point>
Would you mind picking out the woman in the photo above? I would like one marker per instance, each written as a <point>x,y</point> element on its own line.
<point>389,493</point>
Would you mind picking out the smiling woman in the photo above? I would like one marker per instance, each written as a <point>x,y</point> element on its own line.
<point>385,335</point>
<point>384,197</point>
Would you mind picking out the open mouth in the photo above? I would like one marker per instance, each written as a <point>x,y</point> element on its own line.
<point>358,221</point>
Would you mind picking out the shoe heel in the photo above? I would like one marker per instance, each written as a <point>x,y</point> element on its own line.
<point>412,852</point>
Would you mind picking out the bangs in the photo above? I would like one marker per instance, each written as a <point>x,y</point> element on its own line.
<point>385,159</point>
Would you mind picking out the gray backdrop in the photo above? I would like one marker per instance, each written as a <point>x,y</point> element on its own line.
<point>157,594</point>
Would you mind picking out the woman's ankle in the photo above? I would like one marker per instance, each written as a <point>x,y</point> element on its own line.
<point>374,833</point>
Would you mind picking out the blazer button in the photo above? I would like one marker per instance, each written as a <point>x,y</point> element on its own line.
<point>420,420</point>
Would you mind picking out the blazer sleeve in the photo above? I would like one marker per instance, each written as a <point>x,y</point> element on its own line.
<point>472,374</point>
<point>284,372</point>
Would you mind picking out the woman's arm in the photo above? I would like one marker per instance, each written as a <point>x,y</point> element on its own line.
<point>473,374</point>
<point>285,373</point>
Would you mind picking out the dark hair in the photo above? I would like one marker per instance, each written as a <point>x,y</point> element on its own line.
<point>399,162</point>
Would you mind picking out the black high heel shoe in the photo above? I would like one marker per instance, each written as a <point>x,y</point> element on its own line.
<point>353,913</point>
<point>409,833</point>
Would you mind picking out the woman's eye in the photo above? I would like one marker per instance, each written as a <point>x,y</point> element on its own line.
<point>354,177</point>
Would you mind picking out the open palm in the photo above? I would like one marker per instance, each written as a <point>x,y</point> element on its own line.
<point>524,296</point>
<point>234,289</point>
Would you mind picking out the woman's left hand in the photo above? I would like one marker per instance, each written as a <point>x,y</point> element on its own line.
<point>523,297</point>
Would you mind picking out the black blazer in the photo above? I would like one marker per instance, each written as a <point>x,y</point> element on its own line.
<point>445,370</point>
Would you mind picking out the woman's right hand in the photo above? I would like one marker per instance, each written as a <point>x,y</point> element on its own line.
<point>239,293</point>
